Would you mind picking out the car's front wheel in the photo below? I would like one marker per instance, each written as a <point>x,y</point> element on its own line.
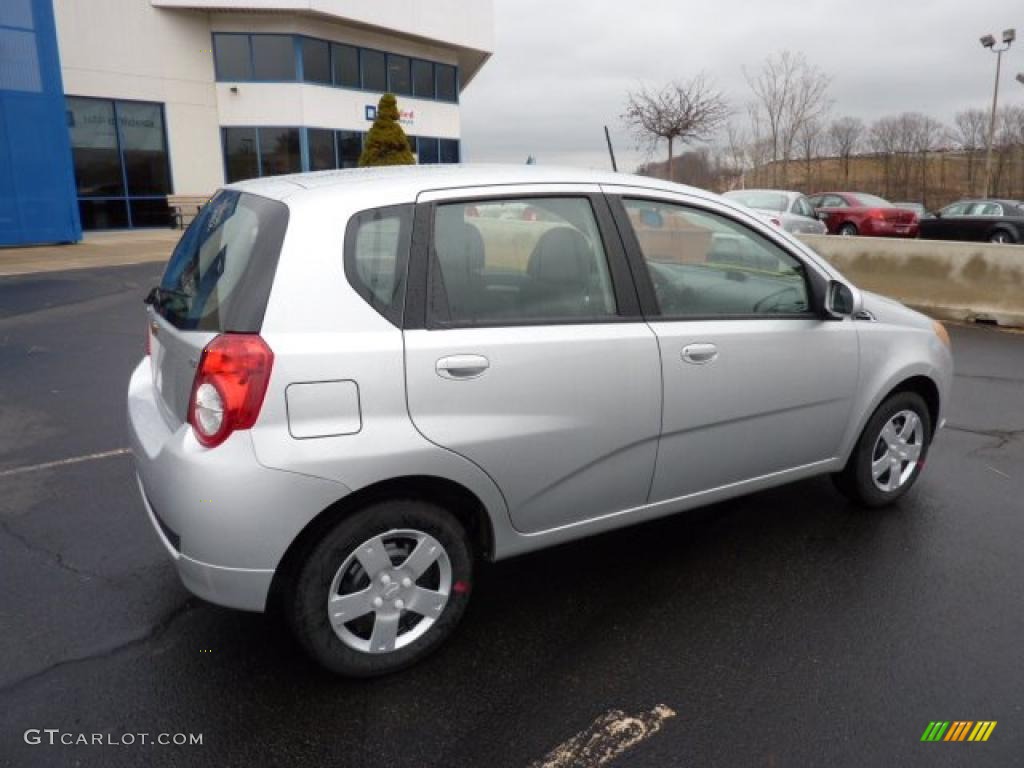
<point>382,589</point>
<point>890,454</point>
<point>848,230</point>
<point>1001,236</point>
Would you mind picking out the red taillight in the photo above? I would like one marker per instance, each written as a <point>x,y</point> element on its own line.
<point>875,213</point>
<point>775,221</point>
<point>230,384</point>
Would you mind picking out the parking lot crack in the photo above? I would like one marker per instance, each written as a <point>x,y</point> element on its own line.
<point>55,557</point>
<point>1003,437</point>
<point>153,633</point>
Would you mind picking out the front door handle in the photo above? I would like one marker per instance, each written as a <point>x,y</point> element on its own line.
<point>459,367</point>
<point>700,354</point>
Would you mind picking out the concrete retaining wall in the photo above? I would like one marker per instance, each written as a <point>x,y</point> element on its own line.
<point>953,281</point>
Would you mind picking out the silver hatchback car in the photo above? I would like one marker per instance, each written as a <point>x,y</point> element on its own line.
<point>360,382</point>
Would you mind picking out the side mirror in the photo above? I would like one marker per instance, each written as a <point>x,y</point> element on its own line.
<point>842,300</point>
<point>936,214</point>
<point>821,215</point>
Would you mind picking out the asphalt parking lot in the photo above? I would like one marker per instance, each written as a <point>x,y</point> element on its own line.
<point>786,628</point>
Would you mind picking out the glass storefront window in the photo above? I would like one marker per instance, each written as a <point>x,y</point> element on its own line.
<point>428,151</point>
<point>398,75</point>
<point>350,146</point>
<point>273,57</point>
<point>279,151</point>
<point>143,147</point>
<point>316,61</point>
<point>150,212</point>
<point>449,150</point>
<point>422,79</point>
<point>94,148</point>
<point>241,157</point>
<point>115,143</point>
<point>232,57</point>
<point>345,63</point>
<point>321,149</point>
<point>446,86</point>
<point>375,70</point>
<point>240,56</point>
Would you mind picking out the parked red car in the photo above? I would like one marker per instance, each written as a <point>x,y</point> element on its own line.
<point>854,213</point>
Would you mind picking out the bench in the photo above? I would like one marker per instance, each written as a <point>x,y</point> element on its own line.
<point>185,207</point>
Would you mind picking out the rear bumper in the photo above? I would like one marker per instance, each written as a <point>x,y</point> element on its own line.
<point>225,520</point>
<point>877,228</point>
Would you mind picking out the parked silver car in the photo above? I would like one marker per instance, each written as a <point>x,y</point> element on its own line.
<point>360,382</point>
<point>789,210</point>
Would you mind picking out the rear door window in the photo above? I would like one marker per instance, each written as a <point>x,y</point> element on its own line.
<point>221,272</point>
<point>515,261</point>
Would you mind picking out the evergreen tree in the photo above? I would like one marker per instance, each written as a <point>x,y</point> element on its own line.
<point>386,143</point>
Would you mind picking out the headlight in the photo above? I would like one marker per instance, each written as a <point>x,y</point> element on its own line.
<point>942,333</point>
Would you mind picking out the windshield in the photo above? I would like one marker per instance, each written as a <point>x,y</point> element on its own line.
<point>220,274</point>
<point>766,201</point>
<point>872,201</point>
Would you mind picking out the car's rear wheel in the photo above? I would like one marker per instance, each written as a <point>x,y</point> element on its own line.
<point>848,230</point>
<point>890,454</point>
<point>382,589</point>
<point>1001,236</point>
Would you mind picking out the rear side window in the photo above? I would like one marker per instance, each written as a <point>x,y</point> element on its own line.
<point>376,253</point>
<point>516,261</point>
<point>221,272</point>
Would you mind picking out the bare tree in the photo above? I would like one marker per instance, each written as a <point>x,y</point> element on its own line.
<point>810,138</point>
<point>683,112</point>
<point>884,141</point>
<point>928,136</point>
<point>845,137</point>
<point>788,92</point>
<point>969,132</point>
<point>736,151</point>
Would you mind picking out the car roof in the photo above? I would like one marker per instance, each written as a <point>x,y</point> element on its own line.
<point>410,180</point>
<point>773,191</point>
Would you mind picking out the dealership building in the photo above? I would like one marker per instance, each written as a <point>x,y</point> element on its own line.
<point>107,107</point>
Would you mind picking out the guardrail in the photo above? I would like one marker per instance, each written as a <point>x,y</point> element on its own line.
<point>947,280</point>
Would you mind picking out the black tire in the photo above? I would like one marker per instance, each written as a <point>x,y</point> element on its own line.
<point>307,597</point>
<point>847,230</point>
<point>1002,236</point>
<point>855,480</point>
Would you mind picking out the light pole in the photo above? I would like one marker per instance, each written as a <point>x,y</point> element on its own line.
<point>1009,35</point>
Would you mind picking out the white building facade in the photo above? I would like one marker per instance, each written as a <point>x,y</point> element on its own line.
<point>181,96</point>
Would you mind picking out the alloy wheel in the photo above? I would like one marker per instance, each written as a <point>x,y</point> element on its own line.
<point>897,450</point>
<point>389,591</point>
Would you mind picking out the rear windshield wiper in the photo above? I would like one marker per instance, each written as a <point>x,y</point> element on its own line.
<point>156,295</point>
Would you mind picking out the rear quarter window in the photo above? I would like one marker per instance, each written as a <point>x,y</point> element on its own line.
<point>221,272</point>
<point>376,255</point>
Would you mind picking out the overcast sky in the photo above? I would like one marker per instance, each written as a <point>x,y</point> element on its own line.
<point>561,68</point>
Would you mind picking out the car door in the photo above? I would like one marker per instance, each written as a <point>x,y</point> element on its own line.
<point>526,351</point>
<point>756,384</point>
<point>832,206</point>
<point>803,216</point>
<point>981,220</point>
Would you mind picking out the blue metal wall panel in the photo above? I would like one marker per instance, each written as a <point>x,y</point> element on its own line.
<point>37,183</point>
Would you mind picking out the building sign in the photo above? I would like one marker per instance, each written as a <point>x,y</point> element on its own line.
<point>405,116</point>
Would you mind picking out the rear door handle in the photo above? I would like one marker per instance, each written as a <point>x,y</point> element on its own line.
<point>460,367</point>
<point>700,354</point>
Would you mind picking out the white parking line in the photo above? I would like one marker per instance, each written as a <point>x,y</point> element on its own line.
<point>607,737</point>
<point>64,462</point>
